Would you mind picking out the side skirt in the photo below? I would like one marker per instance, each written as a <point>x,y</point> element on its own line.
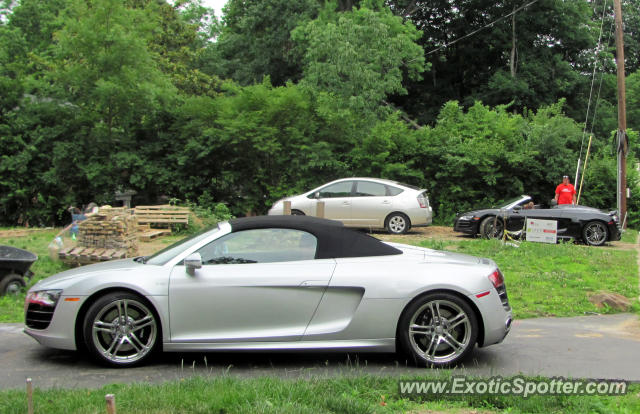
<point>358,345</point>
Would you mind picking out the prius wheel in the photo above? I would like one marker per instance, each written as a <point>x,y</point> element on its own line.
<point>297,213</point>
<point>120,329</point>
<point>439,329</point>
<point>595,233</point>
<point>398,223</point>
<point>491,228</point>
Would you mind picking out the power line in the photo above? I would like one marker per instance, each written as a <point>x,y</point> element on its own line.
<point>484,27</point>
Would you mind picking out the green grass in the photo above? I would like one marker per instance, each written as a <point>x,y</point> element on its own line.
<point>360,394</point>
<point>630,236</point>
<point>556,280</point>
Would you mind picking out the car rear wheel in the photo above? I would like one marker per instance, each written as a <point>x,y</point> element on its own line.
<point>11,284</point>
<point>120,329</point>
<point>439,329</point>
<point>398,223</point>
<point>491,228</point>
<point>595,233</point>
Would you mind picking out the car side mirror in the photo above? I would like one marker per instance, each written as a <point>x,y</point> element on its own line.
<point>516,208</point>
<point>193,262</point>
<point>317,194</point>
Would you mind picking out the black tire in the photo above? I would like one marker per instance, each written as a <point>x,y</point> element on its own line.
<point>121,329</point>
<point>491,228</point>
<point>297,213</point>
<point>397,223</point>
<point>595,233</point>
<point>455,330</point>
<point>12,284</point>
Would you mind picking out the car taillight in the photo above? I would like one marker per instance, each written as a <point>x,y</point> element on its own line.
<point>422,200</point>
<point>496,279</point>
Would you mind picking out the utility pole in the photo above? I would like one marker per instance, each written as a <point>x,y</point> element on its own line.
<point>621,136</point>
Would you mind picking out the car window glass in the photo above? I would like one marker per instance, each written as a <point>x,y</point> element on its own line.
<point>370,189</point>
<point>342,189</point>
<point>168,253</point>
<point>260,246</point>
<point>394,191</point>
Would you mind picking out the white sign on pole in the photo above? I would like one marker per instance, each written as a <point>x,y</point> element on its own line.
<point>542,231</point>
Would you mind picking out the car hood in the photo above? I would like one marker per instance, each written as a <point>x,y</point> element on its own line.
<point>478,212</point>
<point>86,271</point>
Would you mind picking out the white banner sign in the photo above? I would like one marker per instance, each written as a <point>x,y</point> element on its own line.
<point>543,231</point>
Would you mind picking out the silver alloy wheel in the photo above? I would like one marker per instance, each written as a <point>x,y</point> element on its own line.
<point>492,228</point>
<point>397,224</point>
<point>595,233</point>
<point>440,331</point>
<point>124,331</point>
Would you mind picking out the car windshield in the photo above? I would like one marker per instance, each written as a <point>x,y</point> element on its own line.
<point>511,202</point>
<point>168,253</point>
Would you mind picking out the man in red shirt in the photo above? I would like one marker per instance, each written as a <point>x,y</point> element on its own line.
<point>565,193</point>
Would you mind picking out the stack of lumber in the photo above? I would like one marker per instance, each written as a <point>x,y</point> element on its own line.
<point>161,217</point>
<point>110,234</point>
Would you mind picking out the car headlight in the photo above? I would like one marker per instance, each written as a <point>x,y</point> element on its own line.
<point>47,298</point>
<point>466,217</point>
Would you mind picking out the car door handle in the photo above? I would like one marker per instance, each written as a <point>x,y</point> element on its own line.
<point>386,202</point>
<point>346,203</point>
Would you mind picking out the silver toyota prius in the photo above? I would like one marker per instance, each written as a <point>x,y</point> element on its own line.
<point>365,203</point>
<point>275,283</point>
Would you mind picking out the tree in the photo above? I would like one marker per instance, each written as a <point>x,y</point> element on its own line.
<point>103,67</point>
<point>255,40</point>
<point>532,64</point>
<point>359,55</point>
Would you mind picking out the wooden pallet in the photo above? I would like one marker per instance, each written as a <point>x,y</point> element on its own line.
<point>150,234</point>
<point>162,215</point>
<point>86,255</point>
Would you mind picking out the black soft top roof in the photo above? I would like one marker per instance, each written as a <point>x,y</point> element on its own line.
<point>334,240</point>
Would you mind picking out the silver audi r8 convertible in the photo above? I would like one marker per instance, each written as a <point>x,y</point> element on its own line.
<point>275,283</point>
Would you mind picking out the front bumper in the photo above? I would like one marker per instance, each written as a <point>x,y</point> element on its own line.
<point>466,226</point>
<point>60,333</point>
<point>615,233</point>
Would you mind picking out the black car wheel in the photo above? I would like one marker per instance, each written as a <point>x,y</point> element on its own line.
<point>439,329</point>
<point>120,329</point>
<point>491,228</point>
<point>398,223</point>
<point>11,284</point>
<point>297,213</point>
<point>595,233</point>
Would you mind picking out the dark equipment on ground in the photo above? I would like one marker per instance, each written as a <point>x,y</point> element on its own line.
<point>14,268</point>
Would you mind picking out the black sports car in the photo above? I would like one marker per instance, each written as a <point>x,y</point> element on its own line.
<point>592,226</point>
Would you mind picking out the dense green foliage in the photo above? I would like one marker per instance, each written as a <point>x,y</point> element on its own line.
<point>100,96</point>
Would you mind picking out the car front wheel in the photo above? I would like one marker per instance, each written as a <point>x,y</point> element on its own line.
<point>398,223</point>
<point>120,329</point>
<point>438,329</point>
<point>595,233</point>
<point>491,228</point>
